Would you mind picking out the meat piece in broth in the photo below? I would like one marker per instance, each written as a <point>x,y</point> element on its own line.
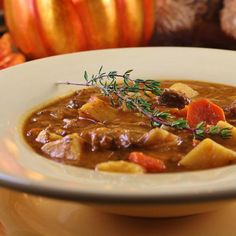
<point>70,147</point>
<point>173,98</point>
<point>230,111</point>
<point>112,137</point>
<point>116,138</point>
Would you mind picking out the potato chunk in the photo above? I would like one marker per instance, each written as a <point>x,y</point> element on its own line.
<point>70,147</point>
<point>231,140</point>
<point>120,167</point>
<point>184,88</point>
<point>99,110</point>
<point>158,137</point>
<point>208,154</point>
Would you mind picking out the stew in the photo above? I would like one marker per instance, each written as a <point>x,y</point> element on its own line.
<point>193,128</point>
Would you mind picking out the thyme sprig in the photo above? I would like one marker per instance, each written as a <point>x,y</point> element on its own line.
<point>202,130</point>
<point>121,89</point>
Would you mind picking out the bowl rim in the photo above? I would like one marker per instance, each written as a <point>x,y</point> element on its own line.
<point>21,185</point>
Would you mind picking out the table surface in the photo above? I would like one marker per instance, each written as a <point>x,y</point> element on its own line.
<point>25,215</point>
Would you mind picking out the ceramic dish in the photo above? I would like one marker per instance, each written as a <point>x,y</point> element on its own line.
<point>25,86</point>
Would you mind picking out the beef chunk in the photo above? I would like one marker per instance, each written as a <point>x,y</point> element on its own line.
<point>230,111</point>
<point>109,138</point>
<point>173,98</point>
<point>125,137</point>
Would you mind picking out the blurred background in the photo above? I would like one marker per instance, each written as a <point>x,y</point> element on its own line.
<point>32,29</point>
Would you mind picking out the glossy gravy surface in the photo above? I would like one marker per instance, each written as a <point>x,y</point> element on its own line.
<point>62,118</point>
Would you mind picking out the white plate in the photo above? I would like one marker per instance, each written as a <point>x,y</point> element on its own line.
<point>25,86</point>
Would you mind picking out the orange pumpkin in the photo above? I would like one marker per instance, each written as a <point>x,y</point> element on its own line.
<point>42,28</point>
<point>7,56</point>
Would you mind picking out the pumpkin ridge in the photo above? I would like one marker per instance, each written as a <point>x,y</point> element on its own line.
<point>149,20</point>
<point>122,23</point>
<point>40,27</point>
<point>83,14</point>
<point>131,25</point>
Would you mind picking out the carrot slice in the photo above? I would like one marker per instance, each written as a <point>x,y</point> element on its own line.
<point>204,110</point>
<point>179,113</point>
<point>149,163</point>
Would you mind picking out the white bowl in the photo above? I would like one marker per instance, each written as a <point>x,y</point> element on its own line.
<point>156,195</point>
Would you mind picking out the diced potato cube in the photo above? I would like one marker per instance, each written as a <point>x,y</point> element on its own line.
<point>231,140</point>
<point>99,110</point>
<point>159,137</point>
<point>120,167</point>
<point>184,88</point>
<point>224,124</point>
<point>70,147</point>
<point>208,154</point>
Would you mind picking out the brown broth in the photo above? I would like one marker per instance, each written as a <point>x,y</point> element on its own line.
<point>58,113</point>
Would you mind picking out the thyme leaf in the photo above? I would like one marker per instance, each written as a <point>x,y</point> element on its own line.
<point>180,124</point>
<point>201,131</point>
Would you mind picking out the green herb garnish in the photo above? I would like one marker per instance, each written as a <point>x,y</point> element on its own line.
<point>121,89</point>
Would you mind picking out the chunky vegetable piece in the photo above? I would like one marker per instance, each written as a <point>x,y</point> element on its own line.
<point>204,110</point>
<point>208,154</point>
<point>232,139</point>
<point>179,112</point>
<point>120,167</point>
<point>70,147</point>
<point>159,137</point>
<point>99,110</point>
<point>149,163</point>
<point>184,88</point>
<point>45,136</point>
